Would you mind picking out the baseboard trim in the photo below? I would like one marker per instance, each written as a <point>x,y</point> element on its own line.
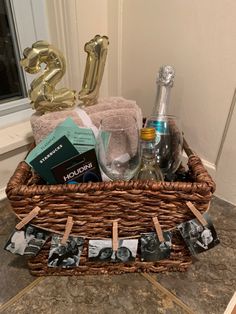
<point>210,167</point>
<point>231,308</point>
<point>224,199</point>
<point>3,195</point>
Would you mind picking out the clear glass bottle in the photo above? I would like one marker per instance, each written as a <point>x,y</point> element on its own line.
<point>148,169</point>
<point>168,130</point>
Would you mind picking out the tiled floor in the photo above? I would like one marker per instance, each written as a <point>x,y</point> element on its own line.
<point>206,287</point>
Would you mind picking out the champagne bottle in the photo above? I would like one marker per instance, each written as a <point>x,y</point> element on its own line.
<point>165,81</point>
<point>148,169</point>
<point>161,121</point>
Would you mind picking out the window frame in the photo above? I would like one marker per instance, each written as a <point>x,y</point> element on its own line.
<point>31,24</point>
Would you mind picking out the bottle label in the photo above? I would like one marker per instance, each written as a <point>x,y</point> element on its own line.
<point>160,126</point>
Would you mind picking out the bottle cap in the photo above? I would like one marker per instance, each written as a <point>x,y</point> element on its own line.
<point>148,134</point>
<point>166,75</point>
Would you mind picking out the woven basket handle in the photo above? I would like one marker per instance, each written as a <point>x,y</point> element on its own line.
<point>196,166</point>
<point>187,149</point>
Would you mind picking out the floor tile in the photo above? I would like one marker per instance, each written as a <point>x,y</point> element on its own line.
<point>209,284</point>
<point>129,293</point>
<point>14,274</point>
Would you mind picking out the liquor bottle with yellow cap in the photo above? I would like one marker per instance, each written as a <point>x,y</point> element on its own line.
<point>148,169</point>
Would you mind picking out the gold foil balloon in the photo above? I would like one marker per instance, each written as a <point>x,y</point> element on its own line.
<point>95,63</point>
<point>42,93</point>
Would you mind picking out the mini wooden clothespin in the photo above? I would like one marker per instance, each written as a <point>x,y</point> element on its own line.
<point>197,214</point>
<point>34,212</point>
<point>68,228</point>
<point>115,243</point>
<point>158,229</point>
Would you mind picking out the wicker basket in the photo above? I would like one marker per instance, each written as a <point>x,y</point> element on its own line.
<point>94,206</point>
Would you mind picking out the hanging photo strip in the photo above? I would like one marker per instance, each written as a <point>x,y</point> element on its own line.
<point>152,249</point>
<point>65,255</point>
<point>101,250</point>
<point>199,238</point>
<point>27,241</point>
<point>198,233</point>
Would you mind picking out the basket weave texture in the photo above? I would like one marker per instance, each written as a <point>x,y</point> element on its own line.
<point>94,206</point>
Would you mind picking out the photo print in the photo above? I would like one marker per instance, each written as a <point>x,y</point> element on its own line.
<point>152,249</point>
<point>27,241</point>
<point>65,255</point>
<point>199,238</point>
<point>101,250</point>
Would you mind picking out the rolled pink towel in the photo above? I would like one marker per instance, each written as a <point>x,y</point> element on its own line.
<point>42,125</point>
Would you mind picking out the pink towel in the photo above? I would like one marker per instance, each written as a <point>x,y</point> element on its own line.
<point>42,125</point>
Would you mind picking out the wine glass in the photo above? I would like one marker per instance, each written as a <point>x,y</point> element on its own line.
<point>169,142</point>
<point>118,147</point>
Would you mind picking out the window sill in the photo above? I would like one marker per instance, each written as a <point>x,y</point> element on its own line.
<point>15,136</point>
<point>14,143</point>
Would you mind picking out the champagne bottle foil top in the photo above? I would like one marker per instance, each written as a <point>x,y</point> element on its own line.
<point>166,75</point>
<point>148,134</point>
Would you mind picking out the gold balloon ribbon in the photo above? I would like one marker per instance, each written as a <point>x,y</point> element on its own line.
<point>42,93</point>
<point>95,63</point>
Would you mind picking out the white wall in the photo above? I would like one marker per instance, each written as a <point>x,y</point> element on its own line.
<point>226,168</point>
<point>72,23</point>
<point>199,39</point>
<point>8,162</point>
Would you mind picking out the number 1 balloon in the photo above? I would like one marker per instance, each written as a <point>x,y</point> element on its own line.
<point>42,93</point>
<point>95,63</point>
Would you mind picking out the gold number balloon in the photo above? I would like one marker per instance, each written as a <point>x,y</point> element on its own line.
<point>95,63</point>
<point>42,93</point>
